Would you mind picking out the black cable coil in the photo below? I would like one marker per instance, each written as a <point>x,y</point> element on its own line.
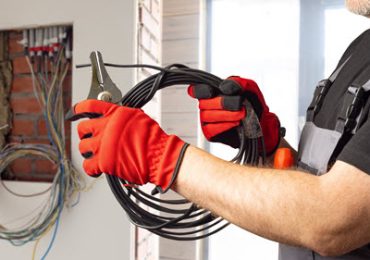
<point>179,219</point>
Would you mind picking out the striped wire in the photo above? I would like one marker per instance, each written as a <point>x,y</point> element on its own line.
<point>67,182</point>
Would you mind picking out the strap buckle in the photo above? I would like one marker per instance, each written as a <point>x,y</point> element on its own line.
<point>347,119</point>
<point>321,90</point>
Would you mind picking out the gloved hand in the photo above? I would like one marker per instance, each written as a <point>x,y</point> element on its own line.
<point>221,111</point>
<point>127,143</point>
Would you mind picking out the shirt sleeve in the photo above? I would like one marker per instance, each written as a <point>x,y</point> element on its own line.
<point>357,150</point>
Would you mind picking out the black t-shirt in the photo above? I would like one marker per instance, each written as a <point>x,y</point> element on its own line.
<point>352,149</point>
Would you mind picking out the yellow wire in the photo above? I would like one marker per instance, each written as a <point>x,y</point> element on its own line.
<point>39,239</point>
<point>73,181</point>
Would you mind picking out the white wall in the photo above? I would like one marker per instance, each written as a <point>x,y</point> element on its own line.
<point>97,227</point>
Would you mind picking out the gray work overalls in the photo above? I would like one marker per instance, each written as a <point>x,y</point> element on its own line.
<point>317,145</point>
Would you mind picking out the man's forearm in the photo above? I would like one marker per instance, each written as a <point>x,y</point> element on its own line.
<point>255,199</point>
<point>286,206</point>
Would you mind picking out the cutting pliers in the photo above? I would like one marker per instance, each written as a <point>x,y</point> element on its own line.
<point>102,86</point>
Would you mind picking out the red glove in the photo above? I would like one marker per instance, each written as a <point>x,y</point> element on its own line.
<point>221,111</point>
<point>127,143</point>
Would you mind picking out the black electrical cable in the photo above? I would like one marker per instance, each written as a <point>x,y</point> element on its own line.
<point>177,219</point>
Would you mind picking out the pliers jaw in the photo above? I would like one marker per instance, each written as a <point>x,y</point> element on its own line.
<point>102,86</point>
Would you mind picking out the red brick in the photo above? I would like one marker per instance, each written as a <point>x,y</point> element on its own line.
<point>42,130</point>
<point>67,84</point>
<point>34,177</point>
<point>20,65</point>
<point>41,127</point>
<point>23,102</point>
<point>67,98</point>
<point>25,105</point>
<point>43,166</point>
<point>37,141</point>
<point>22,85</point>
<point>48,68</point>
<point>27,140</point>
<point>21,166</point>
<point>23,127</point>
<point>15,34</point>
<point>70,67</point>
<point>14,45</point>
<point>67,128</point>
<point>13,139</point>
<point>68,147</point>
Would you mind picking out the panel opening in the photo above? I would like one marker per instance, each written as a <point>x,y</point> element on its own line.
<point>32,61</point>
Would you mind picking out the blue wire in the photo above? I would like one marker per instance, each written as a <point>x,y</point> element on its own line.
<point>53,238</point>
<point>60,205</point>
<point>61,197</point>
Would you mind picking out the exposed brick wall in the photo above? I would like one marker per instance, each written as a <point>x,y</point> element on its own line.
<point>149,47</point>
<point>180,42</point>
<point>28,123</point>
<point>176,112</point>
<point>149,52</point>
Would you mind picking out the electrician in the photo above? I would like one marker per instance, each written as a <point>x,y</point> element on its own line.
<point>322,215</point>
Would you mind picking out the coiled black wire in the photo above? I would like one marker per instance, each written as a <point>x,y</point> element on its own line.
<point>178,219</point>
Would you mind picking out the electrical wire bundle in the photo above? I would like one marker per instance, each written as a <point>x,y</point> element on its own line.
<point>179,219</point>
<point>67,182</point>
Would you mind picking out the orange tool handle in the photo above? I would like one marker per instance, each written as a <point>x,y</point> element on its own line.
<point>283,158</point>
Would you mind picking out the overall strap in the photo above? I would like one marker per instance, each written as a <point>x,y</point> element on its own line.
<point>321,90</point>
<point>353,103</point>
<point>317,145</point>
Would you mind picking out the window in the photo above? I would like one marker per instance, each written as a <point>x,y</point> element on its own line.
<point>286,46</point>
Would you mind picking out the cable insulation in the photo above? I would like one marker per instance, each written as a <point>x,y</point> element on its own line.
<point>185,221</point>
